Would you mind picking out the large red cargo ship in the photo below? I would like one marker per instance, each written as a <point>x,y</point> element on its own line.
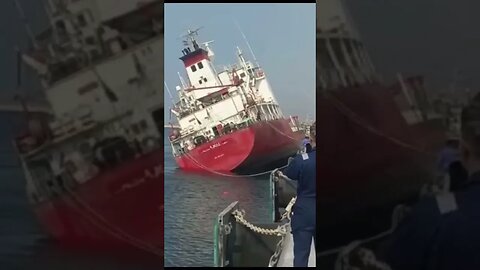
<point>102,148</point>
<point>229,120</point>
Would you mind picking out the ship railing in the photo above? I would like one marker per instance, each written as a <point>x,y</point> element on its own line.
<point>70,131</point>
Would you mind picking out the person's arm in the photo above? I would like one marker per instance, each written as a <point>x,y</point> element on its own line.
<point>293,169</point>
<point>412,242</point>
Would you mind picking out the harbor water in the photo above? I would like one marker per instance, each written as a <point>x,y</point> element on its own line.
<point>192,203</point>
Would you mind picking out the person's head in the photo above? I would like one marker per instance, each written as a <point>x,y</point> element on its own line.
<point>470,135</point>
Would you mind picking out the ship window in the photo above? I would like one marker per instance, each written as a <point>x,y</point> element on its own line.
<point>194,68</point>
<point>135,129</point>
<point>158,119</point>
<point>81,20</point>
<point>200,65</point>
<point>242,75</point>
<point>60,25</point>
<point>90,40</point>
<point>200,81</point>
<point>205,79</point>
<point>143,125</point>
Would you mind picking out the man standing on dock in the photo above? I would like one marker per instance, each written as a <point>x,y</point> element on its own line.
<point>442,232</point>
<point>302,168</point>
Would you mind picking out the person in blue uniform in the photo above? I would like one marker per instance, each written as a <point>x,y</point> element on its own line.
<point>449,163</point>
<point>302,168</point>
<point>443,232</point>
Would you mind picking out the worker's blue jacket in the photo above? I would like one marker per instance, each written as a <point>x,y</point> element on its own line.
<point>303,169</point>
<point>442,232</point>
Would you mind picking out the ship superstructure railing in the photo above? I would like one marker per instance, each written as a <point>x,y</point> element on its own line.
<point>230,127</point>
<point>69,130</point>
<point>66,60</point>
<point>342,60</point>
<point>107,147</point>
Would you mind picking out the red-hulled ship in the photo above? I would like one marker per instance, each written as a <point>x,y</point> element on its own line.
<point>230,120</point>
<point>375,144</point>
<point>94,173</point>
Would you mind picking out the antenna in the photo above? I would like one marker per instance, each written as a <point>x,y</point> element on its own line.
<point>169,93</point>
<point>246,40</point>
<point>181,80</point>
<point>190,36</point>
<point>18,96</point>
<point>21,14</point>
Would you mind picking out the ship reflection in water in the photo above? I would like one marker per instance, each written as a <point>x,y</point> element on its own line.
<point>192,202</point>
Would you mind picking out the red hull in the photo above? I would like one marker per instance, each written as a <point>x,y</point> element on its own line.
<point>253,147</point>
<point>359,169</point>
<point>119,209</point>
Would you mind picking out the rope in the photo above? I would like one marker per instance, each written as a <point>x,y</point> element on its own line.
<point>282,133</point>
<point>229,175</point>
<point>361,122</point>
<point>396,218</point>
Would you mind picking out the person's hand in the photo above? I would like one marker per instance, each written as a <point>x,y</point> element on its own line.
<point>289,160</point>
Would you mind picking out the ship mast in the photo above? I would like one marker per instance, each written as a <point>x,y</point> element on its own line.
<point>29,31</point>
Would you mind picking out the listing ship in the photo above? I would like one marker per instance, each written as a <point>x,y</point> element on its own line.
<point>94,169</point>
<point>377,143</point>
<point>229,121</point>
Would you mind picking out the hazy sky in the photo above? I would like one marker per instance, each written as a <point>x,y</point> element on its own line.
<point>282,37</point>
<point>12,34</point>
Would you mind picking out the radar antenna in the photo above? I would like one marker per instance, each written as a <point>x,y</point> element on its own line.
<point>190,37</point>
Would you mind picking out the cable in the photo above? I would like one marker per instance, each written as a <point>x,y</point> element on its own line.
<point>229,175</point>
<point>358,120</point>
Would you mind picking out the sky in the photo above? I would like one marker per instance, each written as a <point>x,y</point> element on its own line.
<point>13,34</point>
<point>282,37</point>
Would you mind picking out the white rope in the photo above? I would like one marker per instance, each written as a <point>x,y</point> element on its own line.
<point>396,218</point>
<point>229,175</point>
<point>281,132</point>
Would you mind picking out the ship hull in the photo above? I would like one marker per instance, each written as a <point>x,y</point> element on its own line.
<point>362,173</point>
<point>248,149</point>
<point>121,209</point>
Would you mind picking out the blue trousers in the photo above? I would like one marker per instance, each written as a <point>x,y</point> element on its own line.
<point>303,230</point>
<point>302,241</point>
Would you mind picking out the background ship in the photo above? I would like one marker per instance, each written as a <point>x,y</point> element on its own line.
<point>230,120</point>
<point>100,63</point>
<point>376,142</point>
